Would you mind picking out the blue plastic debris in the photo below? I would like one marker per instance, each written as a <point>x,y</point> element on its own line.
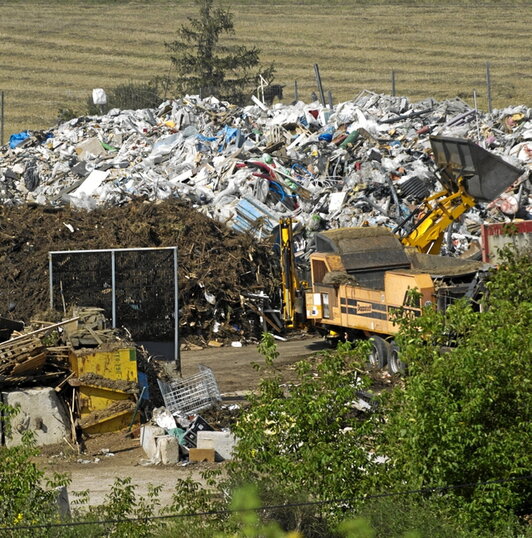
<point>18,138</point>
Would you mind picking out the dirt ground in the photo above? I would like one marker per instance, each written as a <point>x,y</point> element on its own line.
<point>109,456</point>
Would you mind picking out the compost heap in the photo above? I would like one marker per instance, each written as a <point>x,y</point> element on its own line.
<point>216,265</point>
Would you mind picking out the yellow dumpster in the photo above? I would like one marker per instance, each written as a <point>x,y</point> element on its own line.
<point>108,379</point>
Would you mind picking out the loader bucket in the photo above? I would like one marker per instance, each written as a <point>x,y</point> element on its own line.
<point>485,175</point>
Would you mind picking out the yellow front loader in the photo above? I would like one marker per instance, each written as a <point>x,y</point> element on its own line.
<point>469,174</point>
<point>360,277</point>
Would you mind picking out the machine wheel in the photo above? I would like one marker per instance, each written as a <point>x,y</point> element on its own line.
<point>395,364</point>
<point>379,354</point>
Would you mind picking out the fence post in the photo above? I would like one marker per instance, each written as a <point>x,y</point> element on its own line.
<point>318,83</point>
<point>393,82</point>
<point>476,115</point>
<point>177,346</point>
<point>51,279</point>
<point>296,92</point>
<point>2,118</point>
<point>113,289</point>
<point>488,85</point>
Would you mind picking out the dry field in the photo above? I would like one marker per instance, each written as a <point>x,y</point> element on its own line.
<point>52,53</point>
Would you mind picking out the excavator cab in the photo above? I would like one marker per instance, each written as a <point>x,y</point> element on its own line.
<point>469,174</point>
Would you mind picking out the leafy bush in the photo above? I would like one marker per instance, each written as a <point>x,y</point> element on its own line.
<point>306,440</point>
<point>464,413</point>
<point>27,496</point>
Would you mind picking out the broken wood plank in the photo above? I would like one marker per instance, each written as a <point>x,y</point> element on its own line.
<point>30,365</point>
<point>60,385</point>
<point>38,331</point>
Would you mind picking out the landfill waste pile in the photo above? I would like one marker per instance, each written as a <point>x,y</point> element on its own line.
<point>172,436</point>
<point>194,171</point>
<point>364,162</point>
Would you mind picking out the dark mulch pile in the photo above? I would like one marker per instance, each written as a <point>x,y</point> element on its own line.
<point>213,262</point>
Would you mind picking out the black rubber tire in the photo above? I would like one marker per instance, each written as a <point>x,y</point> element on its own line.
<point>395,364</point>
<point>379,354</point>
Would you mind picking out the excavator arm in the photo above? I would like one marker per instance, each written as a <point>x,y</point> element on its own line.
<point>434,216</point>
<point>291,285</point>
<point>469,174</point>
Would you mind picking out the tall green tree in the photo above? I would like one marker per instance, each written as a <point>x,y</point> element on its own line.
<point>204,64</point>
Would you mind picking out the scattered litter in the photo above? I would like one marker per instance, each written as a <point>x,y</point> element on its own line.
<point>85,462</point>
<point>163,418</point>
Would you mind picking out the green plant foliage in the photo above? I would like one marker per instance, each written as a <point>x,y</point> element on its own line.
<point>27,496</point>
<point>306,440</point>
<point>65,114</point>
<point>409,516</point>
<point>192,497</point>
<point>463,414</point>
<point>203,64</point>
<point>123,502</point>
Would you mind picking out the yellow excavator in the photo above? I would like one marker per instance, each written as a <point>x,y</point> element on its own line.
<point>360,277</point>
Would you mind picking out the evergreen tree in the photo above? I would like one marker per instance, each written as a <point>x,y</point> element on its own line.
<point>204,65</point>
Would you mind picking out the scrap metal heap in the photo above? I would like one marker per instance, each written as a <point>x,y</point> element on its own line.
<point>365,162</point>
<point>69,377</point>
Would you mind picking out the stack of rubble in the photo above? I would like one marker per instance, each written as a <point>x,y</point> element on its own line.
<point>27,358</point>
<point>177,431</point>
<point>365,162</point>
<point>64,389</point>
<point>216,265</point>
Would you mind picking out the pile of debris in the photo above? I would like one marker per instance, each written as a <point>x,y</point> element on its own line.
<point>216,265</point>
<point>364,162</point>
<point>26,358</point>
<point>77,378</point>
<point>177,431</point>
<point>66,390</point>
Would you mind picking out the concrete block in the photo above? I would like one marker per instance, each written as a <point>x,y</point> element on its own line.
<point>223,443</point>
<point>148,440</point>
<point>63,503</point>
<point>201,454</point>
<point>168,449</point>
<point>42,412</point>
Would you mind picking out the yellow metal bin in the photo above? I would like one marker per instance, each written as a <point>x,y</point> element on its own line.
<point>104,403</point>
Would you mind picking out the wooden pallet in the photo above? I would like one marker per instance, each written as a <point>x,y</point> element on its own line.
<point>10,350</point>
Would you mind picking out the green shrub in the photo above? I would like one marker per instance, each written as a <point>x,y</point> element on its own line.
<point>130,96</point>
